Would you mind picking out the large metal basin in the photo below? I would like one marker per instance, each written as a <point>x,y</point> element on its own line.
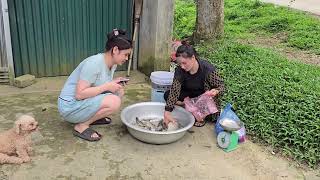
<point>155,109</point>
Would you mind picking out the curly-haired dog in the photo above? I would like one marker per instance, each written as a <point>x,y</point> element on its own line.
<point>15,143</point>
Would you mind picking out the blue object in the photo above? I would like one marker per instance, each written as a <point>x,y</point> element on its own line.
<point>157,95</point>
<point>226,113</point>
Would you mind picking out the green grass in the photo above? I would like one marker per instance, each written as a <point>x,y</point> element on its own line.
<point>184,18</point>
<point>279,100</point>
<point>246,18</point>
<point>249,16</point>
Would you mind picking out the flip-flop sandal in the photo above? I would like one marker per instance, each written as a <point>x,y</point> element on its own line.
<point>86,134</point>
<point>102,121</point>
<point>200,124</point>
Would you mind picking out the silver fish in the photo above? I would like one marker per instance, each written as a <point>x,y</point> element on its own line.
<point>156,124</point>
<point>152,124</point>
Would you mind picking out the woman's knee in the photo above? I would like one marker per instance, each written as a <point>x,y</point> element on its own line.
<point>111,102</point>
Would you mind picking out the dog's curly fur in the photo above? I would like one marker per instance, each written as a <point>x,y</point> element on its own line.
<point>15,143</point>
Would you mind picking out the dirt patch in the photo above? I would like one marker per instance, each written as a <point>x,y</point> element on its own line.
<point>276,43</point>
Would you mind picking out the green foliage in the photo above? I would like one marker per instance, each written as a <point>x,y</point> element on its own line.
<point>184,18</point>
<point>249,16</point>
<point>278,100</point>
<point>243,17</point>
<point>277,25</point>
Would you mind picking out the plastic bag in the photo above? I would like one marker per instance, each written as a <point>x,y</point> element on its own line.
<point>242,134</point>
<point>229,113</point>
<point>200,106</point>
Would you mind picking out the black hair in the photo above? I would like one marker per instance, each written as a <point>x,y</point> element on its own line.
<point>118,37</point>
<point>186,50</point>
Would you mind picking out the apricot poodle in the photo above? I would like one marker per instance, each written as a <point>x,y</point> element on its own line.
<point>15,143</point>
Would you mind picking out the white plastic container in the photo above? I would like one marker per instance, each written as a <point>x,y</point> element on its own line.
<point>161,82</point>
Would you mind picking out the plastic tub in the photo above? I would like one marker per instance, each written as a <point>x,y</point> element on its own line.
<point>161,81</point>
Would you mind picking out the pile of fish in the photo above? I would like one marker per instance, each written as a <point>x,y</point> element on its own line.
<point>156,124</point>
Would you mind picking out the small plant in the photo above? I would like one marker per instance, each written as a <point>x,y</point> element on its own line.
<point>276,25</point>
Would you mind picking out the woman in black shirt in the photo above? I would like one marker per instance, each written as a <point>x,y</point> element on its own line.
<point>192,78</point>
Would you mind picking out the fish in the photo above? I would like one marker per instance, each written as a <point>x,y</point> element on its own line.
<point>152,124</point>
<point>156,124</point>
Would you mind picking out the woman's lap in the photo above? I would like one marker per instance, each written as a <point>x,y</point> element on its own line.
<point>184,94</point>
<point>80,111</point>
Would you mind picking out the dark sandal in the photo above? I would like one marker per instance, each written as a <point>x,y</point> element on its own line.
<point>86,134</point>
<point>102,121</point>
<point>200,123</point>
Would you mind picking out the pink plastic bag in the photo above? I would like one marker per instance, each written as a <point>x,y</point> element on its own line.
<point>200,106</point>
<point>242,134</point>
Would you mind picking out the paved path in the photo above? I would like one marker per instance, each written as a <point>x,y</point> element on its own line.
<point>312,6</point>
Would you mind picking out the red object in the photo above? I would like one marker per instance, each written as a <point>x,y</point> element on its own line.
<point>173,56</point>
<point>174,46</point>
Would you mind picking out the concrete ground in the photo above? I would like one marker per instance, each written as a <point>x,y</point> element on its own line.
<point>60,155</point>
<point>312,6</point>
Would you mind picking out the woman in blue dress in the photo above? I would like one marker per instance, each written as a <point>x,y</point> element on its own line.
<point>90,92</point>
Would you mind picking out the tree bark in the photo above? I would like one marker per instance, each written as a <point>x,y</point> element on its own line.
<point>210,20</point>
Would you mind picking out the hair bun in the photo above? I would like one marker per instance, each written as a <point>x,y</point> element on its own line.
<point>115,33</point>
<point>122,32</point>
<point>185,43</point>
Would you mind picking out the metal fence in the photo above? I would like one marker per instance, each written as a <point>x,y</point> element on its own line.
<point>51,37</point>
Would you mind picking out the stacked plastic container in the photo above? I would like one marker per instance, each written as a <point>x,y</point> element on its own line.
<point>161,81</point>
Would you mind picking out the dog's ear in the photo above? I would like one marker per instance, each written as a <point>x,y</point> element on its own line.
<point>17,126</point>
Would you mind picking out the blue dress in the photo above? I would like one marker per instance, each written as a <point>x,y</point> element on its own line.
<point>93,70</point>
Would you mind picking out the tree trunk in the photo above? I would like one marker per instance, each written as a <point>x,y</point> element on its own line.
<point>210,17</point>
